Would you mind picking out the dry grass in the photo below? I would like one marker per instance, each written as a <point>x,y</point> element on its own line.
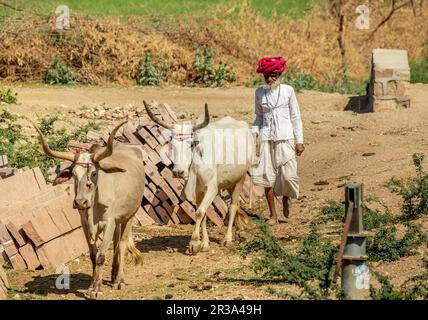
<point>108,50</point>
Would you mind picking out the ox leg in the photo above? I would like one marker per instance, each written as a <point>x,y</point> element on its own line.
<point>91,243</point>
<point>115,265</point>
<point>205,245</point>
<point>234,207</point>
<point>100,259</point>
<point>195,242</point>
<point>119,282</point>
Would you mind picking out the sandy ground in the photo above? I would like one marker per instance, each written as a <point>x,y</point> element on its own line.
<point>335,142</point>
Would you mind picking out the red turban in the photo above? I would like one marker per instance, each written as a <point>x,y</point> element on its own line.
<point>272,65</point>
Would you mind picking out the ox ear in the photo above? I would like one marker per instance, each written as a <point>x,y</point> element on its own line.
<point>109,165</point>
<point>63,176</point>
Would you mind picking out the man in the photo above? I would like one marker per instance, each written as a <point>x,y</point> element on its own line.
<point>279,125</point>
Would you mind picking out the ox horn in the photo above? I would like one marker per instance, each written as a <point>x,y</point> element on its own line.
<point>156,119</point>
<point>51,153</point>
<point>206,119</point>
<point>107,152</point>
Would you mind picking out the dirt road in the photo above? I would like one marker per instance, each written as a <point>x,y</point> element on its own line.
<point>335,143</point>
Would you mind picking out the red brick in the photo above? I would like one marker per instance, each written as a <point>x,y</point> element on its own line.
<point>148,194</point>
<point>183,216</point>
<point>152,173</point>
<point>170,112</point>
<point>17,262</point>
<point>72,215</point>
<point>41,228</point>
<point>170,194</point>
<point>172,211</point>
<point>143,218</point>
<point>161,195</point>
<point>80,145</point>
<point>77,243</point>
<point>188,209</point>
<point>59,219</point>
<point>13,230</point>
<point>128,133</point>
<point>40,179</point>
<point>214,217</point>
<point>162,155</point>
<point>152,213</point>
<point>220,205</point>
<point>54,253</point>
<point>19,187</point>
<point>29,255</point>
<point>153,156</point>
<point>148,138</point>
<point>163,214</point>
<point>174,183</point>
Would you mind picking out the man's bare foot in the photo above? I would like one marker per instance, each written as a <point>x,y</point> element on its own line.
<point>272,221</point>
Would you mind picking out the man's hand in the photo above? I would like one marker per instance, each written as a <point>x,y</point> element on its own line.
<point>299,148</point>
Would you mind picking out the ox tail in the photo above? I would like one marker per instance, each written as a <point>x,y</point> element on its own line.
<point>135,254</point>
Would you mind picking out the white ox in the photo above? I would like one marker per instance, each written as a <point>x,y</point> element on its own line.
<point>109,185</point>
<point>211,157</point>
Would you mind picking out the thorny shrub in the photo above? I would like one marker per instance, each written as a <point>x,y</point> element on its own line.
<point>385,246</point>
<point>22,152</point>
<point>309,266</point>
<point>414,192</point>
<point>8,96</point>
<point>205,73</point>
<point>59,73</point>
<point>152,70</point>
<point>413,288</point>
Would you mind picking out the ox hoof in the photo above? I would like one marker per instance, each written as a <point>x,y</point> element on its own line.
<point>205,247</point>
<point>226,243</point>
<point>119,286</point>
<point>194,247</point>
<point>96,295</point>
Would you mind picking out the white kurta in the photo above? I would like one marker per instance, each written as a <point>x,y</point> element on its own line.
<point>279,124</point>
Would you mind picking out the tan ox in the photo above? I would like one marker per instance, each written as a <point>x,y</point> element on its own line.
<point>109,186</point>
<point>195,159</point>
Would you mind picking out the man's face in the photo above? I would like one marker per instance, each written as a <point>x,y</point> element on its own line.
<point>270,78</point>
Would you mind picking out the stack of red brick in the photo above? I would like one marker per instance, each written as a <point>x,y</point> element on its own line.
<point>164,201</point>
<point>38,226</point>
<point>4,284</point>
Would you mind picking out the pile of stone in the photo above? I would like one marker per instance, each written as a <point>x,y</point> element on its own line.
<point>390,79</point>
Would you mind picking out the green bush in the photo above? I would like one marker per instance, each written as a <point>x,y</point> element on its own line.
<point>413,288</point>
<point>59,73</point>
<point>335,211</point>
<point>386,291</point>
<point>414,193</point>
<point>385,246</point>
<point>205,73</point>
<point>22,152</point>
<point>151,71</point>
<point>299,80</point>
<point>419,70</point>
<point>310,267</point>
<point>8,96</point>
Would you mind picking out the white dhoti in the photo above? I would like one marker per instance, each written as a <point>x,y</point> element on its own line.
<point>277,168</point>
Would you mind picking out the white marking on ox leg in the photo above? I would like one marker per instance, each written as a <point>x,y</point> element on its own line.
<point>195,243</point>
<point>205,239</point>
<point>234,206</point>
<point>107,238</point>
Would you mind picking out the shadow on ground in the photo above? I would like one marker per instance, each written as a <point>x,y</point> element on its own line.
<point>163,243</point>
<point>44,285</point>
